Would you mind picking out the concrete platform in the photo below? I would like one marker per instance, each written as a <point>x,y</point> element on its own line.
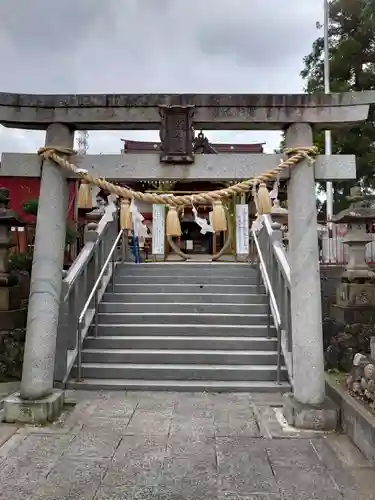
<point>178,446</point>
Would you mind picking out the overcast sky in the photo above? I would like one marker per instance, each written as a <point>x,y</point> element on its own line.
<point>145,46</point>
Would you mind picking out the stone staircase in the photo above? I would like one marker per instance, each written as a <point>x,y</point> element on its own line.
<point>183,327</point>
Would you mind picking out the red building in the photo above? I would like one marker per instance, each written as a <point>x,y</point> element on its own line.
<point>23,189</point>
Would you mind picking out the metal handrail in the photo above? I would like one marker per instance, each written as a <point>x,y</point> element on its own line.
<point>272,304</point>
<point>77,282</point>
<point>266,279</point>
<point>78,266</point>
<point>94,295</point>
<point>275,270</point>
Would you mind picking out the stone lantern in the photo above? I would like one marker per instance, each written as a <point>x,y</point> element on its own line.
<point>357,287</point>
<point>10,298</point>
<point>93,218</point>
<point>279,216</point>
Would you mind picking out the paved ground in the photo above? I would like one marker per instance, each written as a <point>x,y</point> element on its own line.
<point>178,446</point>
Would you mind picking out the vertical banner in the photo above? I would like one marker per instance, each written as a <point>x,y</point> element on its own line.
<point>242,229</point>
<point>158,229</point>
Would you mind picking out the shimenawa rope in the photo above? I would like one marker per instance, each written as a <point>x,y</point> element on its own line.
<point>261,196</point>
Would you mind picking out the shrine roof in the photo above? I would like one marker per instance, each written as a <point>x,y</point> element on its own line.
<point>149,146</point>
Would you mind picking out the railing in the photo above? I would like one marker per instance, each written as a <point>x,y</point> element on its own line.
<point>335,252</point>
<point>332,248</point>
<point>94,297</point>
<point>275,272</point>
<point>77,287</point>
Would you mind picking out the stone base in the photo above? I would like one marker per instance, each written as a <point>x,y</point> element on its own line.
<point>158,257</point>
<point>318,418</point>
<point>347,315</point>
<point>356,294</point>
<point>38,411</point>
<point>242,257</point>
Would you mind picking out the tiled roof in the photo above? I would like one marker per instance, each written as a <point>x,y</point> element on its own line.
<point>148,146</point>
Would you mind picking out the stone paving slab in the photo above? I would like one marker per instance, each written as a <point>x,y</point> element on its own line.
<point>176,446</point>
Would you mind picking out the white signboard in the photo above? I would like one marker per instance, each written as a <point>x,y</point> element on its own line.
<point>242,229</point>
<point>158,229</point>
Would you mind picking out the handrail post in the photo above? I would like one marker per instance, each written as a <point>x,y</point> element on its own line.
<point>96,315</point>
<point>123,244</point>
<point>268,315</point>
<point>278,369</point>
<point>79,352</point>
<point>113,271</point>
<point>257,261</point>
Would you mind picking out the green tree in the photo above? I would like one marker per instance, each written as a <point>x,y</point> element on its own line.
<point>281,147</point>
<point>369,8</point>
<point>352,67</point>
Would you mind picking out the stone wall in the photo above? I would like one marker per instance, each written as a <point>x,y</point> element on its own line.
<point>361,380</point>
<point>342,340</point>
<point>330,278</point>
<point>11,353</point>
<point>355,419</point>
<point>13,331</point>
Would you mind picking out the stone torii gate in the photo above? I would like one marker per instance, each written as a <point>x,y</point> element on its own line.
<point>61,115</point>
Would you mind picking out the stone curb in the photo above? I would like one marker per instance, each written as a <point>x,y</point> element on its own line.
<point>6,388</point>
<point>355,421</point>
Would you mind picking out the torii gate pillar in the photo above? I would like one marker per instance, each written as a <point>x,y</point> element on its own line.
<point>38,401</point>
<point>307,407</point>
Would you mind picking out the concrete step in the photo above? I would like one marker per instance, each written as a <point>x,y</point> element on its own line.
<point>178,342</point>
<point>183,330</point>
<point>185,372</point>
<point>169,298</point>
<point>187,280</point>
<point>186,269</point>
<point>182,318</point>
<point>183,356</point>
<point>198,386</point>
<point>181,308</point>
<point>222,289</point>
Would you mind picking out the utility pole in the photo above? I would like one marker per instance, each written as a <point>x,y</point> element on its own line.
<point>82,142</point>
<point>328,136</point>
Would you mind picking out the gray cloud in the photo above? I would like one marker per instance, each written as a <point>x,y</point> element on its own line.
<point>49,26</point>
<point>89,46</point>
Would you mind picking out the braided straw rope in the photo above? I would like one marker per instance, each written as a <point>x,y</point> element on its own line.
<point>295,156</point>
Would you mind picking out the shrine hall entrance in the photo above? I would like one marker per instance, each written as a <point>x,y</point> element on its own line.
<point>192,241</point>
